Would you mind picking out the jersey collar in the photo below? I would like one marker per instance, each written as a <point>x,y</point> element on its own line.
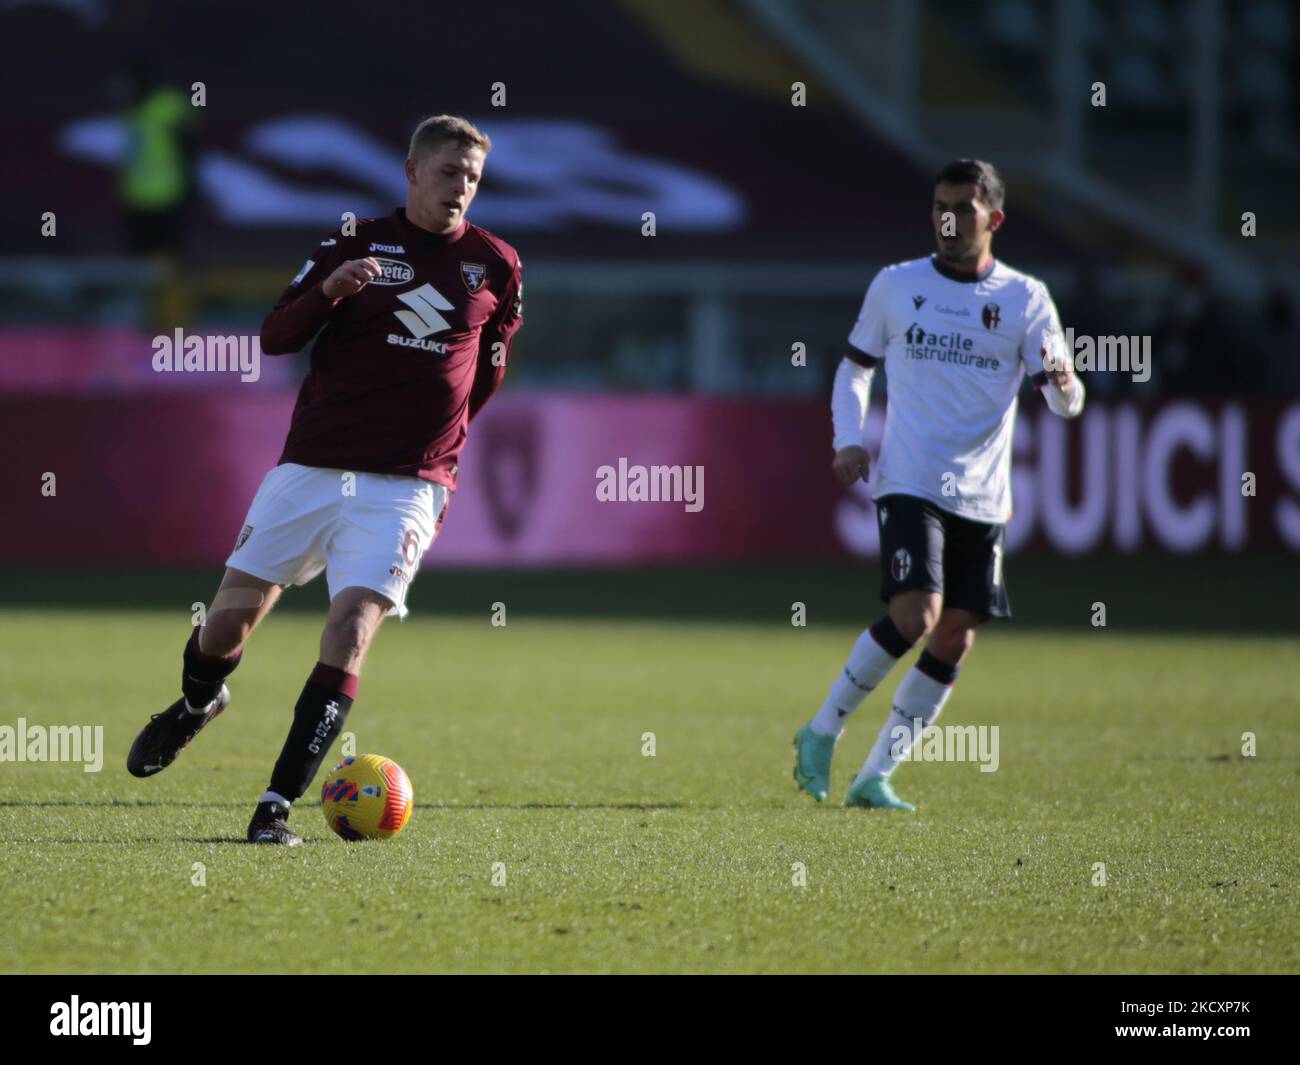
<point>952,275</point>
<point>422,237</point>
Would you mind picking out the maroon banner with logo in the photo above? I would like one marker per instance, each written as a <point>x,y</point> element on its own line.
<point>547,478</point>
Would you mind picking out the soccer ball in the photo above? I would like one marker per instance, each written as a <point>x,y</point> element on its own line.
<point>367,797</point>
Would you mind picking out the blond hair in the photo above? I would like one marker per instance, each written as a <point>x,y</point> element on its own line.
<point>446,129</point>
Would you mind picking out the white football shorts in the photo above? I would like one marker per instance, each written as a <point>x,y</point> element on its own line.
<point>366,530</point>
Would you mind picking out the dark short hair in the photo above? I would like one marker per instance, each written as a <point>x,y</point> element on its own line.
<point>993,190</point>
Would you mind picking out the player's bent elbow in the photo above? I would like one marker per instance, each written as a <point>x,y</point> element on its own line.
<point>273,343</point>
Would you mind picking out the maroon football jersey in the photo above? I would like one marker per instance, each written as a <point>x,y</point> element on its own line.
<point>402,366</point>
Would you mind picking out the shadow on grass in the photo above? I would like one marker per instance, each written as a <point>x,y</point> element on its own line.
<point>241,841</point>
<point>108,804</point>
<point>93,840</point>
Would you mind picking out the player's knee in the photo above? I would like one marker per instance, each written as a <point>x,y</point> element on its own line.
<point>913,625</point>
<point>223,633</point>
<point>951,641</point>
<point>350,634</point>
<point>915,618</point>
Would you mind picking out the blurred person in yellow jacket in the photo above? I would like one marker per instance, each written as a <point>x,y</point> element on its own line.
<point>157,184</point>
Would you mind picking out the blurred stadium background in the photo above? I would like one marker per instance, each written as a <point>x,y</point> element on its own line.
<point>128,213</point>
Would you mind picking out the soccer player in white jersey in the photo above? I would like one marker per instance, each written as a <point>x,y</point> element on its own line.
<point>956,332</point>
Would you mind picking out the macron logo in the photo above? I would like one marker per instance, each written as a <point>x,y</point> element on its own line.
<point>102,1018</point>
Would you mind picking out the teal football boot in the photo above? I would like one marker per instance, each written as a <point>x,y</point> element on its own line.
<point>812,762</point>
<point>876,793</point>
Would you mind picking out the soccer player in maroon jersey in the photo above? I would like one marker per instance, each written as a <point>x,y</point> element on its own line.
<point>415,313</point>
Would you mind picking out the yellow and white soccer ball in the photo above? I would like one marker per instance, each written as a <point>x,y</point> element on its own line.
<point>367,797</point>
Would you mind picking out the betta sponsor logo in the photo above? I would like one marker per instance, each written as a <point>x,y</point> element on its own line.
<point>395,272</point>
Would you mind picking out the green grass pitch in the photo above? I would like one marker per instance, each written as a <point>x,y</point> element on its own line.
<point>1119,745</point>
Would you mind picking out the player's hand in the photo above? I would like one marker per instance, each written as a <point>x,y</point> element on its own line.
<point>850,463</point>
<point>1058,370</point>
<point>351,278</point>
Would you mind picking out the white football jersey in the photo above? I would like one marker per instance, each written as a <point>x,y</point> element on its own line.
<point>955,351</point>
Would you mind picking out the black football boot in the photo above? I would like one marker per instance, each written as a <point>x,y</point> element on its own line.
<point>269,825</point>
<point>168,733</point>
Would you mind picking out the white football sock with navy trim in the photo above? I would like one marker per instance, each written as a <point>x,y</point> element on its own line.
<point>917,703</point>
<point>877,652</point>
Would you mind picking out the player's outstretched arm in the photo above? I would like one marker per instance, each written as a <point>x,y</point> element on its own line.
<point>850,397</point>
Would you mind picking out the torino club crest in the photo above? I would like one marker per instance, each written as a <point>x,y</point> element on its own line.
<point>473,274</point>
